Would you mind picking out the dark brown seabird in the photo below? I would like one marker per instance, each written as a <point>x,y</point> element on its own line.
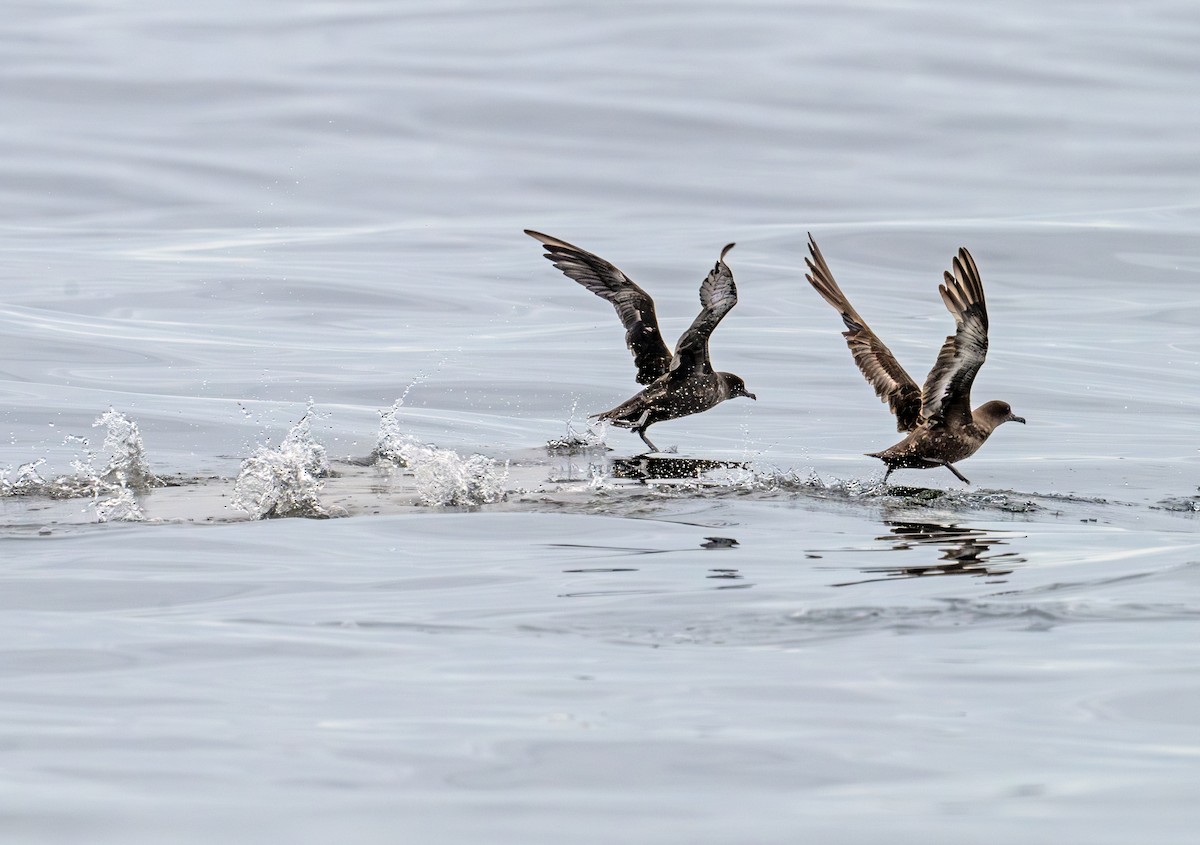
<point>942,428</point>
<point>678,384</point>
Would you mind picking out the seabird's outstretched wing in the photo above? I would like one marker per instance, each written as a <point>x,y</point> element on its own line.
<point>892,384</point>
<point>947,391</point>
<point>718,294</point>
<point>634,306</point>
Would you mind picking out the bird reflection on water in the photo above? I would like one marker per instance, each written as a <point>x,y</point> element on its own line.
<point>647,468</point>
<point>722,573</point>
<point>965,551</point>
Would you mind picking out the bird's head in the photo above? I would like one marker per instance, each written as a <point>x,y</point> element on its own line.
<point>996,412</point>
<point>736,386</point>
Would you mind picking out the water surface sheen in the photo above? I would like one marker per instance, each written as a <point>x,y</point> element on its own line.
<point>217,218</point>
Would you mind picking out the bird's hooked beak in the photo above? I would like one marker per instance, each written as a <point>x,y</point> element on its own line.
<point>750,396</point>
<point>1015,418</point>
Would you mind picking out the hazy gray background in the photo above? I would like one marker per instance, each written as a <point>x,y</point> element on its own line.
<point>259,203</point>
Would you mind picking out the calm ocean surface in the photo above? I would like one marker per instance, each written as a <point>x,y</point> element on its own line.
<point>218,218</point>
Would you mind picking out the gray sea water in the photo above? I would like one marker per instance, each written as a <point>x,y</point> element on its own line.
<point>223,222</point>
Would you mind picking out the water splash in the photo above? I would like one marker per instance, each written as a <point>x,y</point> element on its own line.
<point>574,441</point>
<point>876,489</point>
<point>681,478</point>
<point>443,477</point>
<point>285,481</point>
<point>392,442</point>
<point>113,488</point>
<point>29,482</point>
<point>127,466</point>
<point>119,505</point>
<point>599,480</point>
<point>848,488</point>
<point>125,473</point>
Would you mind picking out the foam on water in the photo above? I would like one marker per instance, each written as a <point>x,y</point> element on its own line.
<point>284,481</point>
<point>875,489</point>
<point>1182,504</point>
<point>682,478</point>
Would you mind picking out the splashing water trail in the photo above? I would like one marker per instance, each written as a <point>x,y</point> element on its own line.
<point>284,481</point>
<point>113,489</point>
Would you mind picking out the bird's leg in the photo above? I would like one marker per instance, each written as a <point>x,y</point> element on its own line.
<point>887,472</point>
<point>961,477</point>
<point>641,432</point>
